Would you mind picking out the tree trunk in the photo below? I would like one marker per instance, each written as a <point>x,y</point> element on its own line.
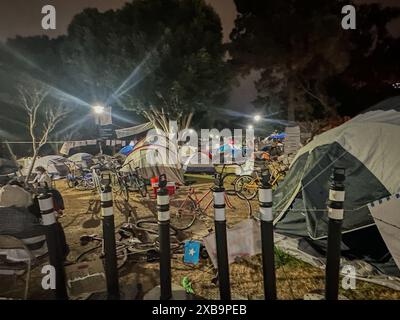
<point>35,155</point>
<point>291,102</point>
<point>189,120</point>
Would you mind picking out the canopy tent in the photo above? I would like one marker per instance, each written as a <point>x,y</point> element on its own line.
<point>54,165</point>
<point>83,159</point>
<point>364,146</point>
<point>132,131</point>
<point>154,157</point>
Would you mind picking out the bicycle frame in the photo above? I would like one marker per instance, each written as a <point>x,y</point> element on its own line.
<point>192,195</point>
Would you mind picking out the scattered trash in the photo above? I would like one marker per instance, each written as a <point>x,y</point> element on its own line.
<point>187,285</point>
<point>192,252</point>
<point>244,239</point>
<point>85,278</point>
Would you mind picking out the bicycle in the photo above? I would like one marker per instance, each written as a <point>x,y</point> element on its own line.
<point>183,214</point>
<point>118,181</point>
<point>247,185</point>
<point>136,182</point>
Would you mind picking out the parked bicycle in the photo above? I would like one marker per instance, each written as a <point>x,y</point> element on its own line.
<point>183,213</point>
<point>136,182</point>
<point>246,186</point>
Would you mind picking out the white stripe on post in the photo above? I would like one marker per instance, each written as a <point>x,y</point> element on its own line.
<point>219,214</point>
<point>219,198</point>
<point>265,195</point>
<point>49,219</point>
<point>266,214</point>
<point>106,196</point>
<point>46,204</point>
<point>106,212</point>
<point>163,215</point>
<point>163,200</point>
<point>335,195</point>
<point>336,214</point>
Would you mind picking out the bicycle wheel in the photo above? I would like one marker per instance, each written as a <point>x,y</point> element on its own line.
<point>183,213</point>
<point>245,187</point>
<point>142,188</point>
<point>151,226</point>
<point>96,252</point>
<point>236,205</point>
<point>230,180</point>
<point>84,185</point>
<point>119,187</point>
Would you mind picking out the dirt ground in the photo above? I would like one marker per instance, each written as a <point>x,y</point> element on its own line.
<point>294,278</point>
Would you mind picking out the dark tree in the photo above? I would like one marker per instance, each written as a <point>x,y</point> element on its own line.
<point>297,45</point>
<point>163,59</point>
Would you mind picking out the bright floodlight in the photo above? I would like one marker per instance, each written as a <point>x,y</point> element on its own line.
<point>257,117</point>
<point>98,109</point>
<point>250,127</point>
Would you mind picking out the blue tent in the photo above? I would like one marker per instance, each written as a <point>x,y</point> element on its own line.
<point>126,150</point>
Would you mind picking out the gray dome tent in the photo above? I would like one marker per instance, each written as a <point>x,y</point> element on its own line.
<point>367,148</point>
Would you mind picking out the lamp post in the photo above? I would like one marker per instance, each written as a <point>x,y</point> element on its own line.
<point>98,110</point>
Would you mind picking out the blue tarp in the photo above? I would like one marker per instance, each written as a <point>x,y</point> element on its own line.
<point>278,136</point>
<point>126,150</point>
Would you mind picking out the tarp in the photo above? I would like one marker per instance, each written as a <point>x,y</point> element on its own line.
<point>132,131</point>
<point>54,165</point>
<point>386,213</point>
<point>83,159</point>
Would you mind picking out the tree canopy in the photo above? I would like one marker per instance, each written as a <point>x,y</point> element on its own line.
<point>300,47</point>
<point>163,59</point>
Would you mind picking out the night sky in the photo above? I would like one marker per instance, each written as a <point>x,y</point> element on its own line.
<point>23,17</point>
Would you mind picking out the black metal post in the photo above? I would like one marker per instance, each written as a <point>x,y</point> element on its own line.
<point>164,238</point>
<point>55,252</point>
<point>335,214</point>
<point>221,243</point>
<point>267,239</point>
<point>110,253</point>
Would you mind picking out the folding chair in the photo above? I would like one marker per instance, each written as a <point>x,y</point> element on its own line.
<point>9,244</point>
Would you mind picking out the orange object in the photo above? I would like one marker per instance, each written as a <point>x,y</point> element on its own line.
<point>265,156</point>
<point>170,187</point>
<point>154,181</point>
